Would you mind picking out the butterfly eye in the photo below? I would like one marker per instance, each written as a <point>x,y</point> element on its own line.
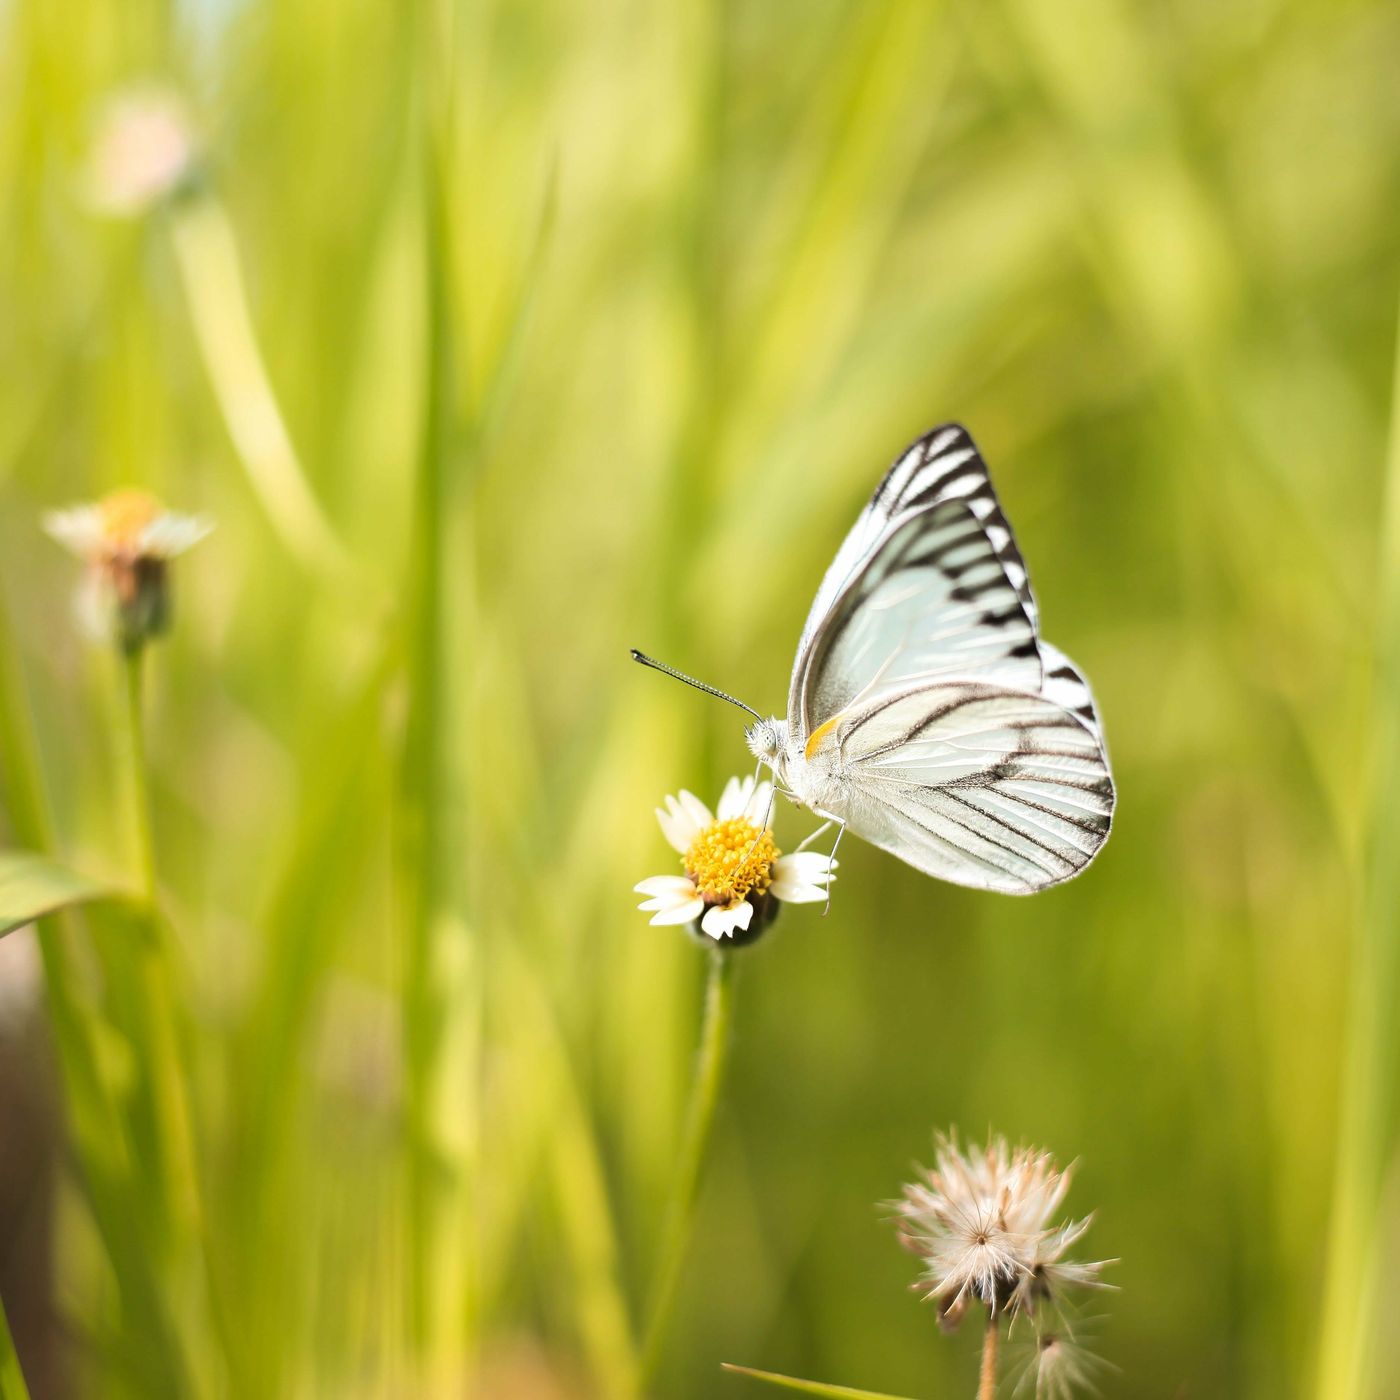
<point>762,739</point>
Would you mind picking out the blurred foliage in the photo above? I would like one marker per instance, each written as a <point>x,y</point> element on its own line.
<point>594,326</point>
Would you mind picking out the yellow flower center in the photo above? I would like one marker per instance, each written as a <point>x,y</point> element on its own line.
<point>125,514</point>
<point>729,860</point>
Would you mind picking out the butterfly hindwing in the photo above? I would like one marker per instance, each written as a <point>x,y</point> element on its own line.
<point>980,785</point>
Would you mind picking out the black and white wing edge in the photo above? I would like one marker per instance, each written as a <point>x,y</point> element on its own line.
<point>932,548</point>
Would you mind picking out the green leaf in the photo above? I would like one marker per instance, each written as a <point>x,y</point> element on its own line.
<point>32,886</point>
<point>835,1392</point>
<point>12,1385</point>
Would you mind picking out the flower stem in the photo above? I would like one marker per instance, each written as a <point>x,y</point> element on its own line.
<point>700,1117</point>
<point>153,972</point>
<point>987,1379</point>
<point>135,787</point>
<point>100,1135</point>
<point>156,1031</point>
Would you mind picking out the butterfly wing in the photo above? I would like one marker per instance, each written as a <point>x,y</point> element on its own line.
<point>950,734</point>
<point>984,786</point>
<point>928,586</point>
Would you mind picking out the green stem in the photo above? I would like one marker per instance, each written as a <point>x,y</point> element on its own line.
<point>158,1003</point>
<point>700,1117</point>
<point>433,1183</point>
<point>100,1135</point>
<point>156,1032</point>
<point>136,797</point>
<point>12,1386</point>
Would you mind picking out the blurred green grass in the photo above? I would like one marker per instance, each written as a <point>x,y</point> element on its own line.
<point>594,327</point>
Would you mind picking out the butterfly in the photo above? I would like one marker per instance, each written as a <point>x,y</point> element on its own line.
<point>925,712</point>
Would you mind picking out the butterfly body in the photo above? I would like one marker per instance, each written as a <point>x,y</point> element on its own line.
<point>925,712</point>
<point>815,783</point>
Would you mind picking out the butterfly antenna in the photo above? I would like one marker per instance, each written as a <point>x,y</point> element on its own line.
<point>645,660</point>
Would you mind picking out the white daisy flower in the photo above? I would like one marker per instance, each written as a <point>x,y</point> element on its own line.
<point>981,1222</point>
<point>733,869</point>
<point>127,540</point>
<point>143,149</point>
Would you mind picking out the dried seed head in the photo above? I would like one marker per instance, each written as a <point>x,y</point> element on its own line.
<point>980,1221</point>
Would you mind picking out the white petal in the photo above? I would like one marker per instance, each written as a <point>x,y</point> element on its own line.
<point>171,534</point>
<point>807,866</point>
<point>677,825</point>
<point>795,892</point>
<point>760,804</point>
<point>696,810</point>
<point>735,798</point>
<point>78,529</point>
<point>721,923</point>
<point>664,884</point>
<point>680,913</point>
<point>658,902</point>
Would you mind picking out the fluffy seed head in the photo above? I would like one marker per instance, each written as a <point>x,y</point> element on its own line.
<point>1055,1366</point>
<point>981,1222</point>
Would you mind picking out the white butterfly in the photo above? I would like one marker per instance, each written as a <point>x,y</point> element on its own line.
<point>925,713</point>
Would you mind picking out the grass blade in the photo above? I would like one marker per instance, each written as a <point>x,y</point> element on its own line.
<point>1368,1114</point>
<point>32,886</point>
<point>207,253</point>
<point>12,1386</point>
<point>834,1392</point>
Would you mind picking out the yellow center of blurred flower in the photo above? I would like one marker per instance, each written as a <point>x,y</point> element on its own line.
<point>125,514</point>
<point>729,860</point>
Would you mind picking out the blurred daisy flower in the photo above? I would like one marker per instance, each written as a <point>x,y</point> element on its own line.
<point>981,1223</point>
<point>143,149</point>
<point>734,872</point>
<point>127,540</point>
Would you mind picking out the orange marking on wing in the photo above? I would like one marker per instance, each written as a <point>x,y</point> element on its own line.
<point>814,742</point>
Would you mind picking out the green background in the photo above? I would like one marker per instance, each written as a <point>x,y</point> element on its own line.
<point>594,326</point>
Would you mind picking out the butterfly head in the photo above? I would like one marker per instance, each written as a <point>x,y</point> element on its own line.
<point>767,740</point>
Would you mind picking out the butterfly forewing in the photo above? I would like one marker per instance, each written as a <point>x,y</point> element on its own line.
<point>931,568</point>
<point>1066,686</point>
<point>932,603</point>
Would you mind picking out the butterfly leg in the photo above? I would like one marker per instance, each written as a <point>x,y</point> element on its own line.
<point>807,840</point>
<point>767,816</point>
<point>831,861</point>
